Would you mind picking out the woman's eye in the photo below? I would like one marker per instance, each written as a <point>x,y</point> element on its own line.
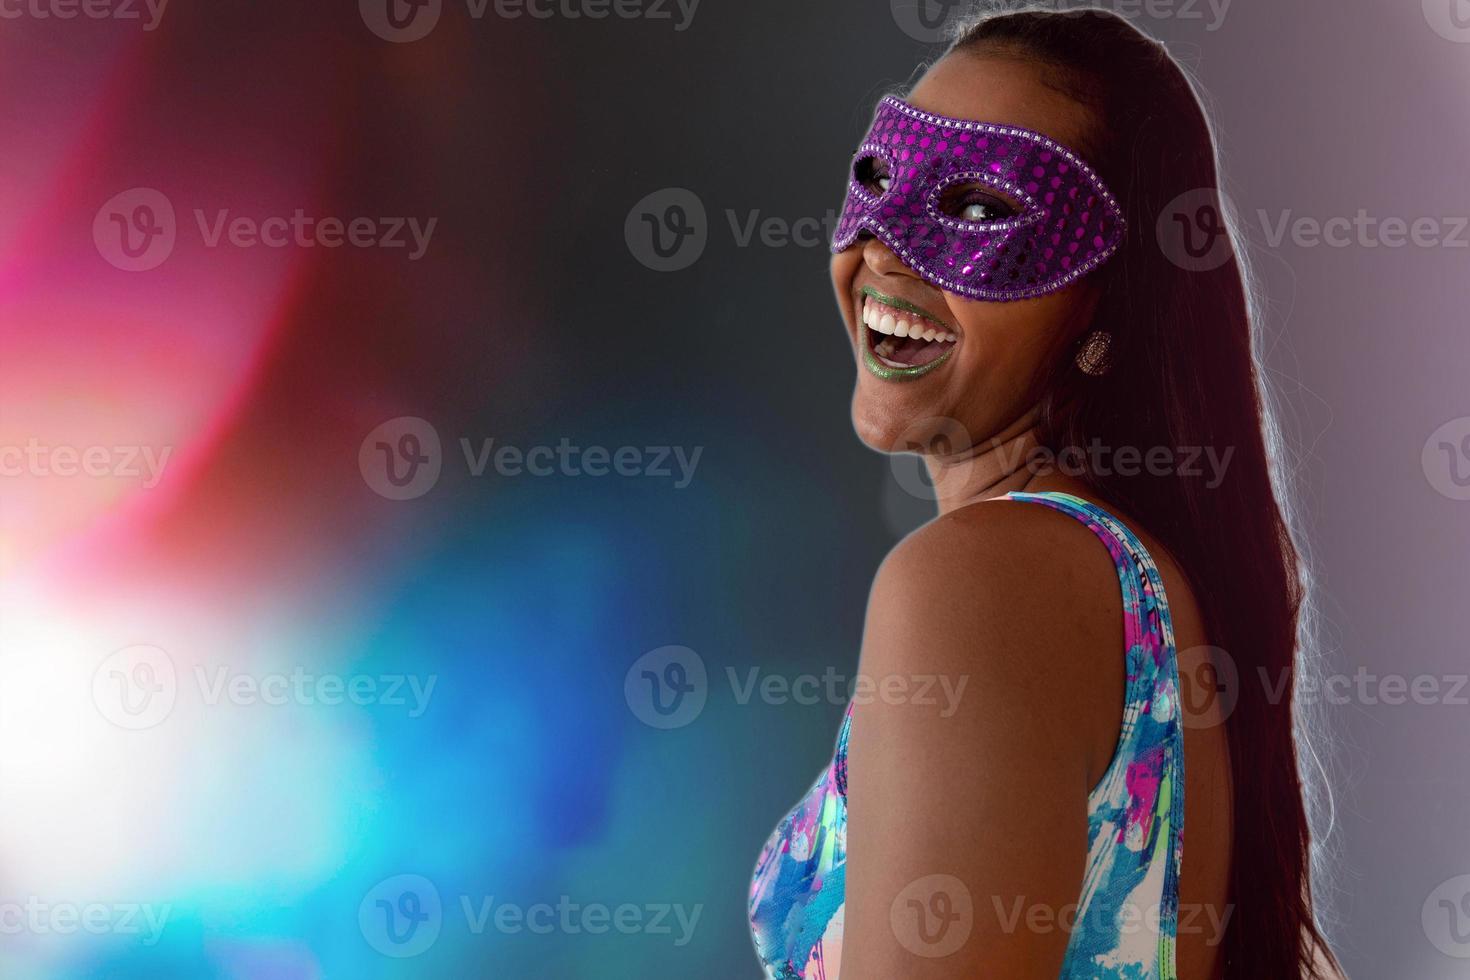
<point>872,173</point>
<point>970,203</point>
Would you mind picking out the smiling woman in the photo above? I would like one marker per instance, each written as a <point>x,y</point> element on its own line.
<point>997,270</point>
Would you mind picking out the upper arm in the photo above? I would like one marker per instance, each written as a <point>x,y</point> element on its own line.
<point>976,797</point>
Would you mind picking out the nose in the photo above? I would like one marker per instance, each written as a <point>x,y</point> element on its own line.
<point>882,260</point>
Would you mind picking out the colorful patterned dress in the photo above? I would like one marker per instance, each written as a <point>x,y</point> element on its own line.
<point>1129,904</point>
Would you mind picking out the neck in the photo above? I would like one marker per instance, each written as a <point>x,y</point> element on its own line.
<point>993,468</point>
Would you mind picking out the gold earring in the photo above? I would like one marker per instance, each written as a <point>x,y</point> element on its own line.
<point>1092,356</point>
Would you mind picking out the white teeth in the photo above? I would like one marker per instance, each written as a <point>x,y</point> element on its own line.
<point>874,317</point>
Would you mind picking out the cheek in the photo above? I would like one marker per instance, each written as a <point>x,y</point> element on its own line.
<point>1019,338</point>
<point>844,269</point>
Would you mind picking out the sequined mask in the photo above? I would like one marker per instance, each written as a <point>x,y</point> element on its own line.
<point>1067,224</point>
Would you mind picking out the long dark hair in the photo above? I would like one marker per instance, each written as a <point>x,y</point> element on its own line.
<point>1183,374</point>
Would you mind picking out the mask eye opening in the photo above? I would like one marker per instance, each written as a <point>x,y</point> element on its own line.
<point>871,172</point>
<point>1009,206</point>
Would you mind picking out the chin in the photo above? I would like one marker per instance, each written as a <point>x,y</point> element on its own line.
<point>892,429</point>
<point>874,434</point>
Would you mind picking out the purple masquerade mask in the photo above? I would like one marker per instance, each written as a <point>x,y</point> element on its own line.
<point>919,184</point>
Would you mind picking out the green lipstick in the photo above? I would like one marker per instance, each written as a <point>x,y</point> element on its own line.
<point>888,372</point>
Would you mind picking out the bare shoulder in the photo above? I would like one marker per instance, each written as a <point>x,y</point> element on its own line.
<point>1014,591</point>
<point>1015,609</point>
<point>1021,551</point>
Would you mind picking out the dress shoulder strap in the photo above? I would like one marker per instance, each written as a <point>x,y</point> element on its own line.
<point>1145,609</point>
<point>1136,810</point>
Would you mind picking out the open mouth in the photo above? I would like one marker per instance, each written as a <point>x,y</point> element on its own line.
<point>899,340</point>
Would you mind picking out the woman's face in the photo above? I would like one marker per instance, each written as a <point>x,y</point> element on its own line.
<point>991,377</point>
